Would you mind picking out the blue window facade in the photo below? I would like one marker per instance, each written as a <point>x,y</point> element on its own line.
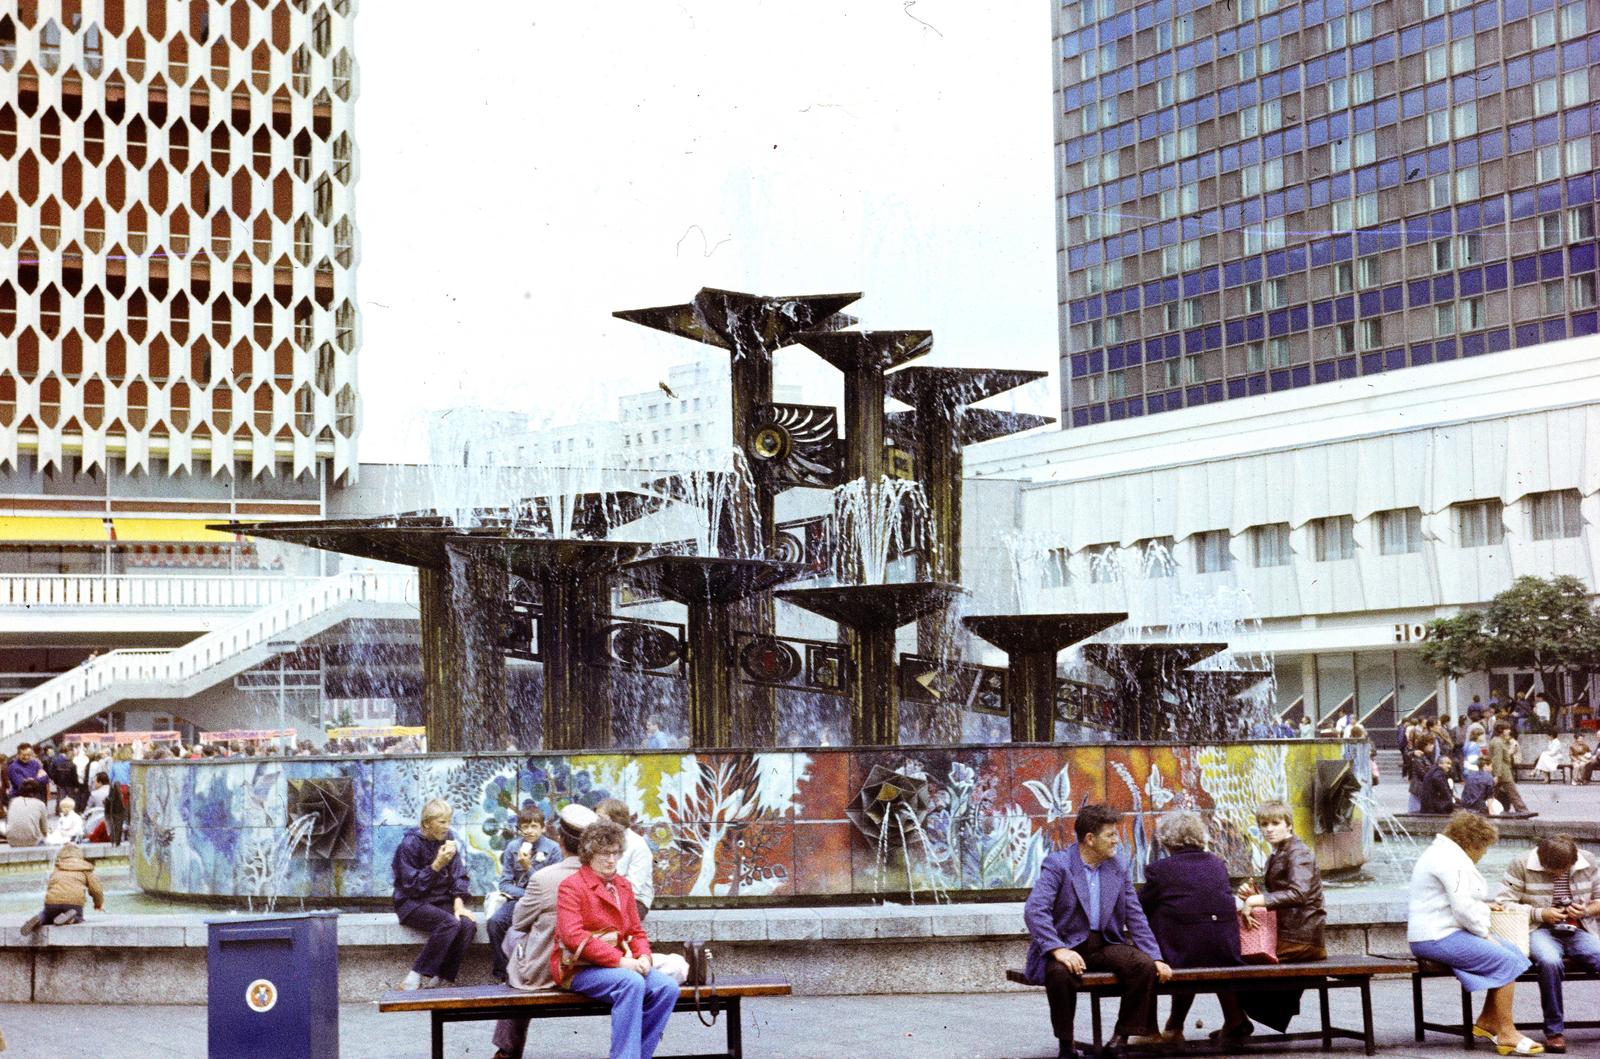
<point>1283,205</point>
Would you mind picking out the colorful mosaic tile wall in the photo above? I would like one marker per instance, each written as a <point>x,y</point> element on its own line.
<point>781,825</point>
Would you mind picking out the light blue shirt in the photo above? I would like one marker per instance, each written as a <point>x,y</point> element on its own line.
<point>1092,876</point>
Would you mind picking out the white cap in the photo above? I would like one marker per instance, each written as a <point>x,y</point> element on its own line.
<point>575,817</point>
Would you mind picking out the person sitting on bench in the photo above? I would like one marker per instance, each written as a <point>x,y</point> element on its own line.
<point>1083,914</point>
<point>1448,922</point>
<point>531,940</point>
<point>1562,887</point>
<point>430,894</point>
<point>1479,787</point>
<point>1190,909</point>
<point>1437,794</point>
<point>599,934</point>
<point>1291,886</point>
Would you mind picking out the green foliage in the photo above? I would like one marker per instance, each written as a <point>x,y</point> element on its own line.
<point>1544,624</point>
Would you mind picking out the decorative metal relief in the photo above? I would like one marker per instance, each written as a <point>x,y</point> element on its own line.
<point>795,444</point>
<point>330,806</point>
<point>971,687</point>
<point>1334,792</point>
<point>644,646</point>
<point>890,807</point>
<point>768,660</point>
<point>775,662</point>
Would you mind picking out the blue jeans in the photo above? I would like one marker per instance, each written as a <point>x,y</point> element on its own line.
<point>640,1006</point>
<point>1547,948</point>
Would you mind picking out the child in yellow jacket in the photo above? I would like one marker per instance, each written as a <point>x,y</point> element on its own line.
<point>70,886</point>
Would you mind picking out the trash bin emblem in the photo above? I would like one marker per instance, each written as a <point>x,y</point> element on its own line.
<point>261,995</point>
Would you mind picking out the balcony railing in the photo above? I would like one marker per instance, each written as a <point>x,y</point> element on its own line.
<point>170,668</point>
<point>136,591</point>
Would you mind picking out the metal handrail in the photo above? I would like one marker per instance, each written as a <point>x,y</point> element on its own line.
<point>172,665</point>
<point>136,591</point>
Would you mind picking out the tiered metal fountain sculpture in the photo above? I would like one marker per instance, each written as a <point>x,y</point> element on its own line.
<point>561,546</point>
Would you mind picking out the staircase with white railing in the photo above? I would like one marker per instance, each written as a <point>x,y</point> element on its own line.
<point>203,663</point>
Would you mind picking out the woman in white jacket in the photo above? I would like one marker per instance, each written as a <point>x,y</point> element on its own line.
<point>1448,923</point>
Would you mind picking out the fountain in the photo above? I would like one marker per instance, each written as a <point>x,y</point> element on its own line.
<point>736,815</point>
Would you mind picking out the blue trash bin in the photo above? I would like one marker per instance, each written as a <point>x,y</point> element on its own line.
<point>273,987</point>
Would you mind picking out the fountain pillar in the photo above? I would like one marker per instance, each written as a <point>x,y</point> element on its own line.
<point>1143,674</point>
<point>1031,643</point>
<point>873,613</point>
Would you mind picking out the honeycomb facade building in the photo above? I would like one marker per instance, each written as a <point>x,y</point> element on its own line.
<point>1264,195</point>
<point>177,240</point>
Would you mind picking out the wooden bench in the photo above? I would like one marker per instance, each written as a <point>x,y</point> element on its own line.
<point>475,1003</point>
<point>1525,773</point>
<point>1351,972</point>
<point>1429,969</point>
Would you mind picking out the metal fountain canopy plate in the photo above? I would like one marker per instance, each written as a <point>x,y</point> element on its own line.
<point>715,579</point>
<point>865,350</point>
<point>1019,633</point>
<point>977,424</point>
<point>772,320</point>
<point>874,606</point>
<point>1229,682</point>
<point>923,384</point>
<point>1148,658</point>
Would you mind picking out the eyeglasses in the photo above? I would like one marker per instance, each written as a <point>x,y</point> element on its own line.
<point>613,853</point>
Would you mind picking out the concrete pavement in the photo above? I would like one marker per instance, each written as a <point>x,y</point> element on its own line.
<point>957,1026</point>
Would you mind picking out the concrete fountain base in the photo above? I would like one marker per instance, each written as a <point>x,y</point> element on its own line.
<point>826,951</point>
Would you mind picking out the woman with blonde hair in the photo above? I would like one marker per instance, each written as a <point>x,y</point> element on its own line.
<point>430,895</point>
<point>1448,923</point>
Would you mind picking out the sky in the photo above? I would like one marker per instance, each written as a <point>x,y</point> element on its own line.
<point>525,170</point>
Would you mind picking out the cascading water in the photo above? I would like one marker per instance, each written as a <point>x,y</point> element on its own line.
<point>872,523</point>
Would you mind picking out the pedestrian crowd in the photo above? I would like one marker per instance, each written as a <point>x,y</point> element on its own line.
<point>1471,762</point>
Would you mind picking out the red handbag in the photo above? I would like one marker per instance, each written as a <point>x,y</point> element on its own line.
<point>1259,944</point>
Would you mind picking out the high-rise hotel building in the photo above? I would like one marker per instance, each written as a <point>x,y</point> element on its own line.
<point>1256,196</point>
<point>177,255</point>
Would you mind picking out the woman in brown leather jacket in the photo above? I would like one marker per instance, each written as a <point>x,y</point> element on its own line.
<point>1291,887</point>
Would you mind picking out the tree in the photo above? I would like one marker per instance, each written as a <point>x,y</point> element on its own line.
<point>1547,625</point>
<point>1458,646</point>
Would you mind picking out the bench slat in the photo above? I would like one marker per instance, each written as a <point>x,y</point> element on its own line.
<point>467,997</point>
<point>1344,966</point>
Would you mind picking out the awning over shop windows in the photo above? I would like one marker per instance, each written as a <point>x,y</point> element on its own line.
<point>54,530</point>
<point>168,530</point>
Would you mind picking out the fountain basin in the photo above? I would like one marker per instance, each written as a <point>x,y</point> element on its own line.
<point>728,827</point>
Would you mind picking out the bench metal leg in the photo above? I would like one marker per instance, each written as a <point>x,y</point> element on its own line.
<point>1416,1005</point>
<point>438,1036</point>
<point>1466,1019</point>
<point>1366,1015</point>
<point>735,1029</point>
<point>1327,1031</point>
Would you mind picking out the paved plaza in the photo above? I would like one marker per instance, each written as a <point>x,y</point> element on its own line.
<point>882,1027</point>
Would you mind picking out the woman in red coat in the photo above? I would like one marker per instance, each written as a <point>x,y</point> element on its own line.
<point>598,929</point>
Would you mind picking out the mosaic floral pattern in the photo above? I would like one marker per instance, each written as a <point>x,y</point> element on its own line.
<point>925,822</point>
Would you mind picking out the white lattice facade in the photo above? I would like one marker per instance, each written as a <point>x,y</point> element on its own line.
<point>177,235</point>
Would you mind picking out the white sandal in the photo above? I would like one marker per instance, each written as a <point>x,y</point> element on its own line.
<point>1524,1046</point>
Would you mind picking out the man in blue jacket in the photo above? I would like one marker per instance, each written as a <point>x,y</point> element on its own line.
<point>1083,914</point>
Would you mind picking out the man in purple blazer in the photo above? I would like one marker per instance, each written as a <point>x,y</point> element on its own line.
<point>1083,914</point>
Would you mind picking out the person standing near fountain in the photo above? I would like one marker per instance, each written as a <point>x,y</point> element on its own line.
<point>1083,914</point>
<point>603,946</point>
<point>430,894</point>
<point>1503,758</point>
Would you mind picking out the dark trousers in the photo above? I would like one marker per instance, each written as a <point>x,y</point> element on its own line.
<point>448,938</point>
<point>1510,797</point>
<point>1136,972</point>
<point>73,912</point>
<point>498,927</point>
<point>116,815</point>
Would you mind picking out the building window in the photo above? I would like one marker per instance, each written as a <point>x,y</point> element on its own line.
<point>1371,271</point>
<point>1280,352</point>
<point>1344,215</point>
<point>1102,562</point>
<point>1555,515</point>
<point>1249,122</point>
<point>1480,524</point>
<point>1463,55</point>
<point>1580,224</point>
<point>1436,63</point>
<point>1118,385</point>
<point>1333,538</point>
<point>1270,544</point>
<point>1579,156</point>
<point>1547,163</point>
<point>1344,278</point>
<point>1555,296</point>
<point>1438,127</point>
<point>1441,254</point>
<point>1400,531</point>
<point>1575,87</point>
<point>1583,295</point>
<point>1345,335</point>
<point>1194,312</point>
<point>1472,315</point>
<point>1366,148</point>
<point>1439,190</point>
<point>1467,183</point>
<point>1055,567</point>
<point>1338,93</point>
<point>1371,334</point>
<point>1155,556</point>
<point>1255,357</point>
<point>1253,300</point>
<point>1469,248</point>
<point>1574,21</point>
<point>1361,87</point>
<point>1544,29</point>
<point>1444,320</point>
<point>1211,552</point>
<point>1545,96</point>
